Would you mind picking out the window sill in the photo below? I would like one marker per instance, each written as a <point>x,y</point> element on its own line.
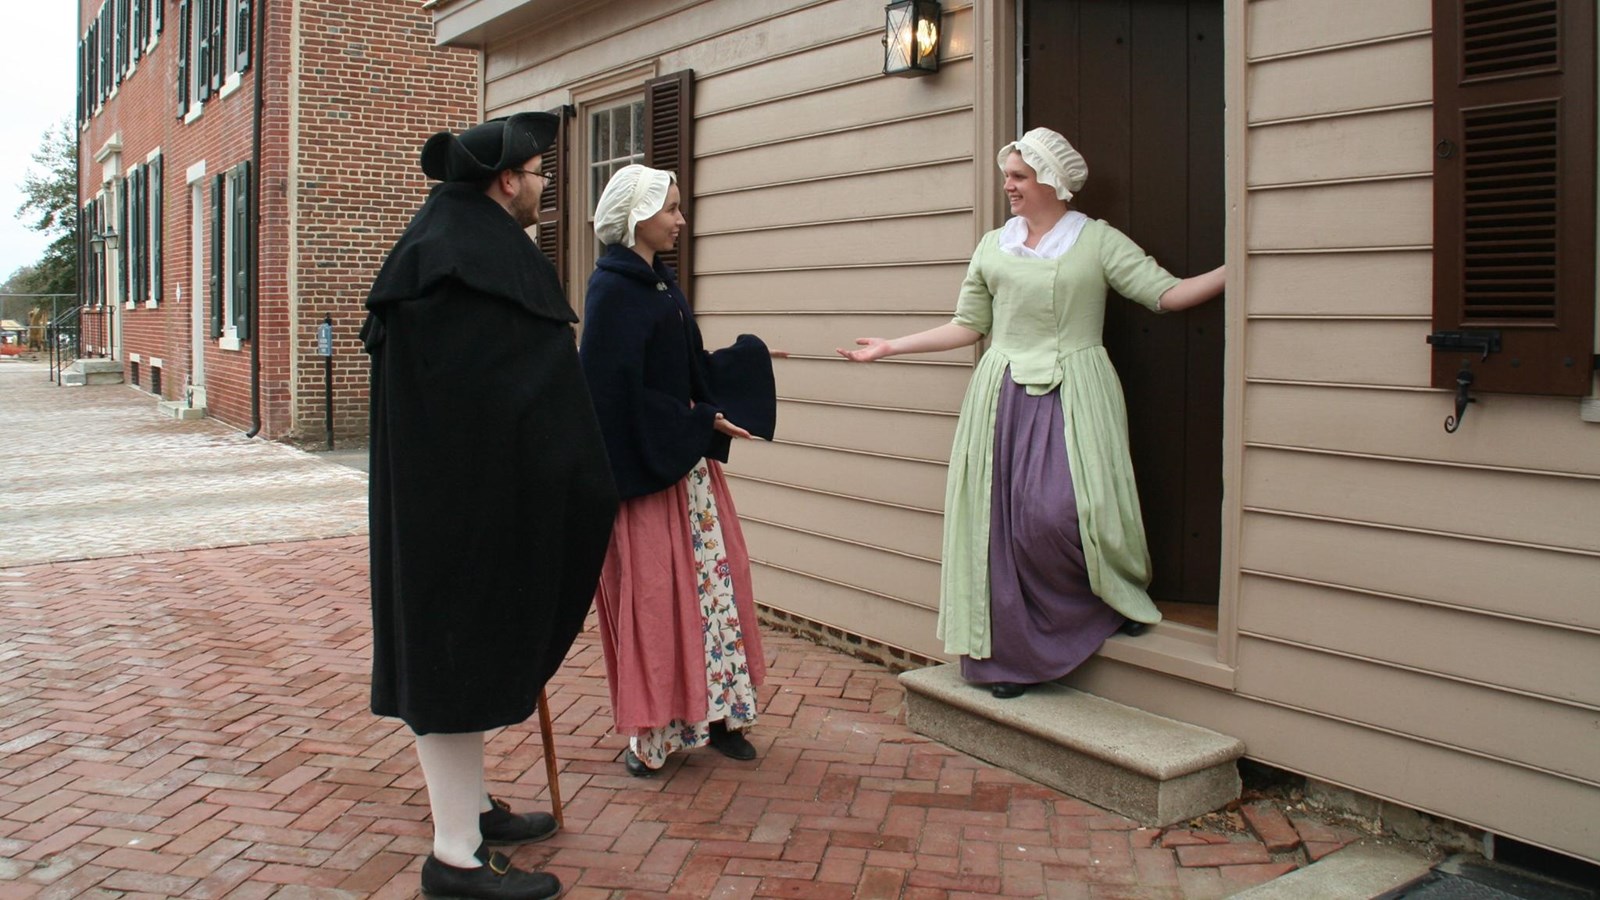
<point>150,304</point>
<point>193,114</point>
<point>130,305</point>
<point>1589,409</point>
<point>230,85</point>
<point>227,343</point>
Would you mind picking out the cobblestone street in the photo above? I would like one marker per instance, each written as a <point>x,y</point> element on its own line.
<point>183,713</point>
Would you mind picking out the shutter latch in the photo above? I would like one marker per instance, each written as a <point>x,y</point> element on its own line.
<point>1483,340</point>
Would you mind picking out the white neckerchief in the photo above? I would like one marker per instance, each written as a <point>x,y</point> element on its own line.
<point>1058,240</point>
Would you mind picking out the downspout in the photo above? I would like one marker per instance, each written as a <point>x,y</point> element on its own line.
<point>260,38</point>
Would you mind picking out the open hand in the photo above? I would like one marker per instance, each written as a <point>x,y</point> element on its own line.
<point>871,348</point>
<point>730,429</point>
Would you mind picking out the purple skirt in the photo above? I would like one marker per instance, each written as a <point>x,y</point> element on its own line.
<point>1044,619</point>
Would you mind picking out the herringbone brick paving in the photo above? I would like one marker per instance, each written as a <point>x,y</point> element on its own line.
<point>195,724</point>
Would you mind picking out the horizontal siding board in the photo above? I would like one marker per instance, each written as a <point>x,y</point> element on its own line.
<point>899,385</point>
<point>855,58</point>
<point>868,148</point>
<point>1345,352</point>
<point>916,435</point>
<point>1409,424</point>
<point>881,193</point>
<point>908,240</point>
<point>853,105</point>
<point>1522,803</point>
<point>1393,142</point>
<point>911,531</point>
<point>1538,732</point>
<point>855,611</point>
<point>1290,26</point>
<point>1538,585</point>
<point>1543,510</point>
<point>914,288</point>
<point>819,335</point>
<point>1398,283</point>
<point>906,482</point>
<point>1342,80</point>
<point>1338,216</point>
<point>1524,656</point>
<point>913,580</point>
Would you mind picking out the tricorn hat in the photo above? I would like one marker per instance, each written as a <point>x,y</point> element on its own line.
<point>482,150</point>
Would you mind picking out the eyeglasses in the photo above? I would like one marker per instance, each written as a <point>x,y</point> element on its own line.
<point>539,175</point>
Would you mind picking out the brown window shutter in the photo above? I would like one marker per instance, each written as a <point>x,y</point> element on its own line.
<point>552,233</point>
<point>1514,191</point>
<point>669,144</point>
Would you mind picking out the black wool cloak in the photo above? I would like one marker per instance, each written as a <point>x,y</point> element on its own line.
<point>645,361</point>
<point>491,501</point>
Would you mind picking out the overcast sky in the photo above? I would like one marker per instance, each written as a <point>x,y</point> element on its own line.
<point>38,65</point>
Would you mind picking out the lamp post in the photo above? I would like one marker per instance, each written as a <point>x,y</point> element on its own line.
<point>911,37</point>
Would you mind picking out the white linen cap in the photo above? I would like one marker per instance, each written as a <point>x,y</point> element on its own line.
<point>1053,160</point>
<point>633,194</point>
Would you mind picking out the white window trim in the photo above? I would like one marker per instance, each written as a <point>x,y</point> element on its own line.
<point>231,84</point>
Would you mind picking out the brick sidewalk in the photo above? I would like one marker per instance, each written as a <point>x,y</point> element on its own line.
<point>194,724</point>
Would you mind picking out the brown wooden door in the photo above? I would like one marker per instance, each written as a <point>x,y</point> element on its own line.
<point>1136,86</point>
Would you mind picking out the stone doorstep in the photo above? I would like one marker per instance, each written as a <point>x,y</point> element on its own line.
<point>1363,869</point>
<point>177,409</point>
<point>1152,769</point>
<point>93,371</point>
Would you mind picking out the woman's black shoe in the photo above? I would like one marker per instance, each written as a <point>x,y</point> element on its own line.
<point>1005,690</point>
<point>732,744</point>
<point>635,765</point>
<point>496,879</point>
<point>502,826</point>
<point>1133,629</point>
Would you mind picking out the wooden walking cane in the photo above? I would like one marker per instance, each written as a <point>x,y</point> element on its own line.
<point>550,759</point>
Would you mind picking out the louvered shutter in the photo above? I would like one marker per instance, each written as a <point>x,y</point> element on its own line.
<point>241,37</point>
<point>219,44</point>
<point>157,227</point>
<point>156,14</point>
<point>183,58</point>
<point>243,301</point>
<point>669,144</point>
<point>137,30</point>
<point>133,237</point>
<point>218,232</point>
<point>552,233</point>
<point>202,53</point>
<point>1514,191</point>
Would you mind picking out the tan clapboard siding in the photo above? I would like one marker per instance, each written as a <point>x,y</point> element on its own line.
<point>1513,727</point>
<point>855,565</point>
<point>1393,142</point>
<point>1341,80</point>
<point>1529,583</point>
<point>819,335</point>
<point>917,288</point>
<point>1523,656</point>
<point>1523,803</point>
<point>1543,510</point>
<point>905,385</point>
<point>848,106</point>
<point>909,531</point>
<point>889,619</point>
<point>915,435</point>
<point>1344,352</point>
<point>1291,26</point>
<point>1323,217</point>
<point>901,481</point>
<point>869,148</point>
<point>1409,424</point>
<point>878,193</point>
<point>1389,283</point>
<point>854,58</point>
<point>911,239</point>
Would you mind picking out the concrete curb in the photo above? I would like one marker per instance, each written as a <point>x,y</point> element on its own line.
<point>1360,871</point>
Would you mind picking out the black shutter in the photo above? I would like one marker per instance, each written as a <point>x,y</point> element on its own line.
<point>81,69</point>
<point>133,240</point>
<point>122,231</point>
<point>218,232</point>
<point>552,233</point>
<point>158,227</point>
<point>239,246</point>
<point>202,55</point>
<point>124,34</point>
<point>219,43</point>
<point>1514,191</point>
<point>183,58</point>
<point>137,30</point>
<point>156,14</point>
<point>669,144</point>
<point>241,37</point>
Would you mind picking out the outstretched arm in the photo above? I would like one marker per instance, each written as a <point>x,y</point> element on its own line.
<point>945,337</point>
<point>1194,291</point>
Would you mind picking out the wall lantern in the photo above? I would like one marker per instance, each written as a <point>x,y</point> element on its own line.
<point>911,37</point>
<point>104,240</point>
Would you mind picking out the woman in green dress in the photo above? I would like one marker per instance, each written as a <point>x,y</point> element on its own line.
<point>1044,546</point>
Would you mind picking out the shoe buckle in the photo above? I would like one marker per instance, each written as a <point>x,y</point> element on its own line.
<point>499,864</point>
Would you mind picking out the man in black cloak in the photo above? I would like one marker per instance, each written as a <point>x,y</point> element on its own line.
<point>491,500</point>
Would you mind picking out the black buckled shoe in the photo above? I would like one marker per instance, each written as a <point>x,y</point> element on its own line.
<point>1006,690</point>
<point>732,744</point>
<point>1133,629</point>
<point>502,826</point>
<point>496,879</point>
<point>635,765</point>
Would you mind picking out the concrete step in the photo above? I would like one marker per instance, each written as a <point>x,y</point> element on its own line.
<point>178,409</point>
<point>1152,769</point>
<point>93,371</point>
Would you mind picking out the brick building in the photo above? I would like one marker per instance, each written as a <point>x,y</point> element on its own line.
<point>243,167</point>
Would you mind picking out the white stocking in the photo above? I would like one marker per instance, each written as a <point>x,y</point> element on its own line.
<point>452,764</point>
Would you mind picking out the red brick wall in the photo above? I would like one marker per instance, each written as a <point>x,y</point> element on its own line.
<point>373,88</point>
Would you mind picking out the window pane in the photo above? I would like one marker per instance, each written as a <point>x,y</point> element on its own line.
<point>624,133</point>
<point>636,150</point>
<point>600,144</point>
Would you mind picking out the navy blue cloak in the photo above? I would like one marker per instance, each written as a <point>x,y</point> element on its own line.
<point>655,388</point>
